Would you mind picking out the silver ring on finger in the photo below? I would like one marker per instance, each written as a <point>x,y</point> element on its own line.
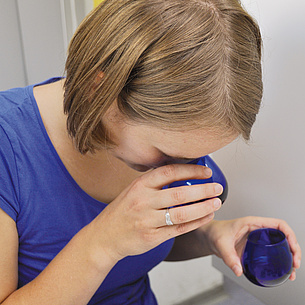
<point>168,218</point>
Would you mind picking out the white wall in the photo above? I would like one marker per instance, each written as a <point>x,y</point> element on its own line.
<point>266,177</point>
<point>34,35</point>
<point>12,71</point>
<point>42,34</point>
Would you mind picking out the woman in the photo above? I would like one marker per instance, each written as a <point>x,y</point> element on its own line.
<point>150,85</point>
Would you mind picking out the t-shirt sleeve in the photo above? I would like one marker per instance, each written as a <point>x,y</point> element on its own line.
<point>9,186</point>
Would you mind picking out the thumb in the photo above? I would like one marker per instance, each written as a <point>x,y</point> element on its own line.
<point>231,258</point>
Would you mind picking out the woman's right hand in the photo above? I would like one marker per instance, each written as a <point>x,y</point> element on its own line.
<point>134,222</point>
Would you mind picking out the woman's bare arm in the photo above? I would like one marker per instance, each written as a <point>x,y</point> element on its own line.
<point>71,278</point>
<point>8,255</point>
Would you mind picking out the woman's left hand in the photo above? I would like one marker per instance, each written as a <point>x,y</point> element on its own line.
<point>227,239</point>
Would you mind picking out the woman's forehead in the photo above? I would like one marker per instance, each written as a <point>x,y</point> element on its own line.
<point>188,144</point>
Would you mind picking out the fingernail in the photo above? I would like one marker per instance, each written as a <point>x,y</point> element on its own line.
<point>218,188</point>
<point>237,270</point>
<point>298,264</point>
<point>217,203</point>
<point>208,172</point>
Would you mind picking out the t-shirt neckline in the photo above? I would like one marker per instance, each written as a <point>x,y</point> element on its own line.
<point>51,146</point>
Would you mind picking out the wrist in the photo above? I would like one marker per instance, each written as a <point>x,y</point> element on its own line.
<point>99,252</point>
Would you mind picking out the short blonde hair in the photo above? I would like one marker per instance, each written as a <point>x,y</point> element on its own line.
<point>175,64</point>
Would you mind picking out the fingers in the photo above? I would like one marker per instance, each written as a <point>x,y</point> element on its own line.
<point>185,194</point>
<point>230,257</point>
<point>292,240</point>
<point>293,243</point>
<point>183,228</point>
<point>290,236</point>
<point>164,175</point>
<point>184,214</point>
<point>285,228</point>
<point>292,275</point>
<point>296,252</point>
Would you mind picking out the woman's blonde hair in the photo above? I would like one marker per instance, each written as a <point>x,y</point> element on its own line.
<point>174,64</point>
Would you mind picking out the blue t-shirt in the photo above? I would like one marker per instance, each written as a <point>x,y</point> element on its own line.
<point>49,207</point>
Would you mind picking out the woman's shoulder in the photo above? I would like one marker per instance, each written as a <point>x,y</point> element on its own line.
<point>11,99</point>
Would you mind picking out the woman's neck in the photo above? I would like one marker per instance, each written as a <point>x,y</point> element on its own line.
<point>101,175</point>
